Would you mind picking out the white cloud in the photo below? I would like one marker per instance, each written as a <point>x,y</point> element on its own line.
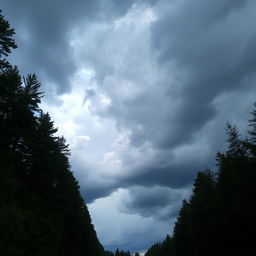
<point>124,230</point>
<point>129,113</point>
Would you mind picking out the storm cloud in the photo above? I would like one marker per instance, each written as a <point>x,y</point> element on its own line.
<point>45,30</point>
<point>142,91</point>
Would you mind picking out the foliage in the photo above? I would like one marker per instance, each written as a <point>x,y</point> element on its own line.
<point>6,41</point>
<point>41,209</point>
<point>43,213</point>
<point>220,216</point>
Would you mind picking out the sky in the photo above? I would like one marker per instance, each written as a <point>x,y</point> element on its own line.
<point>142,91</point>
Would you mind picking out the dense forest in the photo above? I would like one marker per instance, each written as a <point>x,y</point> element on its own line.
<point>43,213</point>
<point>220,216</point>
<point>41,209</point>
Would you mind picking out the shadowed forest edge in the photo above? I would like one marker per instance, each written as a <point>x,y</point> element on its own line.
<point>42,211</point>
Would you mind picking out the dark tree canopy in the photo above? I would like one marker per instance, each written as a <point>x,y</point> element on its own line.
<point>41,209</point>
<point>6,40</point>
<point>220,216</point>
<point>42,212</point>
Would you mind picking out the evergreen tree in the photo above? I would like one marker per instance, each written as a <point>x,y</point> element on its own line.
<point>6,41</point>
<point>41,209</point>
<point>201,214</point>
<point>252,125</point>
<point>154,250</point>
<point>182,233</point>
<point>219,218</point>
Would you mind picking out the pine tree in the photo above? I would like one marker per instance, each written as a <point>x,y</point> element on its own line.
<point>202,208</point>
<point>41,209</point>
<point>6,41</point>
<point>182,232</point>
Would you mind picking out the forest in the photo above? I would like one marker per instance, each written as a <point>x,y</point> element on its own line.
<point>43,213</point>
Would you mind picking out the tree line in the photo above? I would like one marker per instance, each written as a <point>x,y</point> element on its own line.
<point>120,253</point>
<point>42,212</point>
<point>220,216</point>
<point>41,209</point>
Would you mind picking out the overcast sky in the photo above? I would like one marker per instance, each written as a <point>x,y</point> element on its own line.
<point>142,91</point>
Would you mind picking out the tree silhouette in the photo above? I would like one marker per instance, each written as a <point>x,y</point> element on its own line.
<point>42,211</point>
<point>6,41</point>
<point>219,218</point>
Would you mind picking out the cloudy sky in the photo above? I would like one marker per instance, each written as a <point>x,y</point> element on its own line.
<point>142,90</point>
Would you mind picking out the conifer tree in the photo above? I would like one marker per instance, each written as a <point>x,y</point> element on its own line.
<point>219,218</point>
<point>41,209</point>
<point>6,41</point>
<point>182,233</point>
<point>201,214</point>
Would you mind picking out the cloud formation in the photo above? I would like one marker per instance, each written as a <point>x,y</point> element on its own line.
<point>210,44</point>
<point>45,30</point>
<point>157,201</point>
<point>142,91</point>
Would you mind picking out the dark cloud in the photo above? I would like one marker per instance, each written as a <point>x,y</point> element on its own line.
<point>212,44</point>
<point>208,47</point>
<point>172,83</point>
<point>205,55</point>
<point>91,194</point>
<point>160,202</point>
<point>156,185</point>
<point>176,175</point>
<point>44,30</point>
